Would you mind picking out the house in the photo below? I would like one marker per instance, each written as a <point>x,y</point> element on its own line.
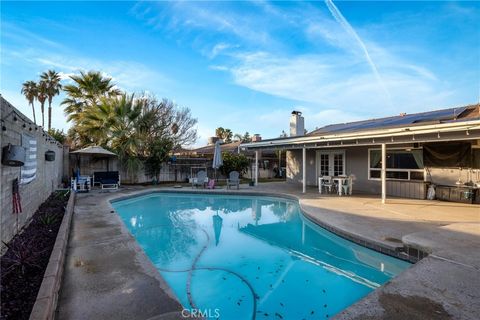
<point>398,156</point>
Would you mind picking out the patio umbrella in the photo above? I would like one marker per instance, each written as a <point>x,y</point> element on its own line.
<point>217,157</point>
<point>217,227</point>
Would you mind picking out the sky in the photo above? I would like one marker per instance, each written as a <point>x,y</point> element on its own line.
<point>245,65</point>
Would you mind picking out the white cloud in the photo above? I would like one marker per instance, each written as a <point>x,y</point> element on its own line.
<point>20,35</point>
<point>329,82</point>
<point>337,76</point>
<point>218,48</point>
<point>129,75</point>
<point>215,17</point>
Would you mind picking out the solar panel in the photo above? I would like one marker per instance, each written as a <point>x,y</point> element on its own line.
<point>401,120</point>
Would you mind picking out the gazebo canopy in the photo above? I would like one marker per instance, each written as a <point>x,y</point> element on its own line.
<point>94,150</point>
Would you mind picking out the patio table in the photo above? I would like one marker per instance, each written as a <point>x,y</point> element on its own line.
<point>337,179</point>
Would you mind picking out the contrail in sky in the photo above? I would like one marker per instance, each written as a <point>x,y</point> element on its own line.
<point>337,15</point>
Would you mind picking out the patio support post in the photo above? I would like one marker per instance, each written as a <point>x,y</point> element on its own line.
<point>384,172</point>
<point>304,170</point>
<point>256,167</point>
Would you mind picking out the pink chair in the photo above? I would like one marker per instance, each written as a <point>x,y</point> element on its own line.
<point>211,184</point>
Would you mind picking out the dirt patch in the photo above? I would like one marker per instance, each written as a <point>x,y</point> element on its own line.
<point>24,263</point>
<point>398,307</point>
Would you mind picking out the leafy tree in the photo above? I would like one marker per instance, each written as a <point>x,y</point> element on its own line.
<point>53,86</point>
<point>58,135</point>
<point>158,153</point>
<point>234,162</point>
<point>224,134</point>
<point>42,97</point>
<point>30,91</point>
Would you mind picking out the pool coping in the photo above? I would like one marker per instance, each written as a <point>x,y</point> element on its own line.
<point>144,265</point>
<point>409,253</point>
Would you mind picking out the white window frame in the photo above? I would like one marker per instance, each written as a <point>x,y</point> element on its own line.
<point>331,160</point>
<point>394,170</point>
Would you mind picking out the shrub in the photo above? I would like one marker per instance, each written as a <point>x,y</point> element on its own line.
<point>234,162</point>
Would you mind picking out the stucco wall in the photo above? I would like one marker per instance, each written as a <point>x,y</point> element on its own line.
<point>357,165</point>
<point>49,174</point>
<point>294,167</point>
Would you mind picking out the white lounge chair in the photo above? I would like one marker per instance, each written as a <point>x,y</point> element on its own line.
<point>200,180</point>
<point>233,179</point>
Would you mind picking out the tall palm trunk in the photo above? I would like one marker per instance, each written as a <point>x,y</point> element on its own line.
<point>33,110</point>
<point>42,107</point>
<point>49,114</point>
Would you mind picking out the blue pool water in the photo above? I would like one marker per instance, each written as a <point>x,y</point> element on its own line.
<point>245,257</point>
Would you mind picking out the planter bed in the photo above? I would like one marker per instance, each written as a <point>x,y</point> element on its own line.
<point>24,263</point>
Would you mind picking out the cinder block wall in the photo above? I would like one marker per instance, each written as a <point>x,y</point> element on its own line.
<point>49,174</point>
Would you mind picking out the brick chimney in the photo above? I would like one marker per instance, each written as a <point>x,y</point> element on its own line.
<point>256,137</point>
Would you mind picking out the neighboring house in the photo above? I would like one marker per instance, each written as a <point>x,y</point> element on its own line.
<point>439,147</point>
<point>268,160</point>
<point>208,150</point>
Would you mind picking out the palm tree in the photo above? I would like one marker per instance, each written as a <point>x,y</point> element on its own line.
<point>88,89</point>
<point>52,80</point>
<point>42,97</point>
<point>84,94</point>
<point>237,137</point>
<point>224,134</point>
<point>115,123</point>
<point>30,91</point>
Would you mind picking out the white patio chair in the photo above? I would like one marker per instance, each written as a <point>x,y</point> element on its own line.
<point>347,185</point>
<point>233,179</point>
<point>328,183</point>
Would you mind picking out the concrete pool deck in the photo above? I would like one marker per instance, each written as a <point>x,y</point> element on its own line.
<point>107,276</point>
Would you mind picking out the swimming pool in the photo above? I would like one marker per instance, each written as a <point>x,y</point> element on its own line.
<point>251,257</point>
